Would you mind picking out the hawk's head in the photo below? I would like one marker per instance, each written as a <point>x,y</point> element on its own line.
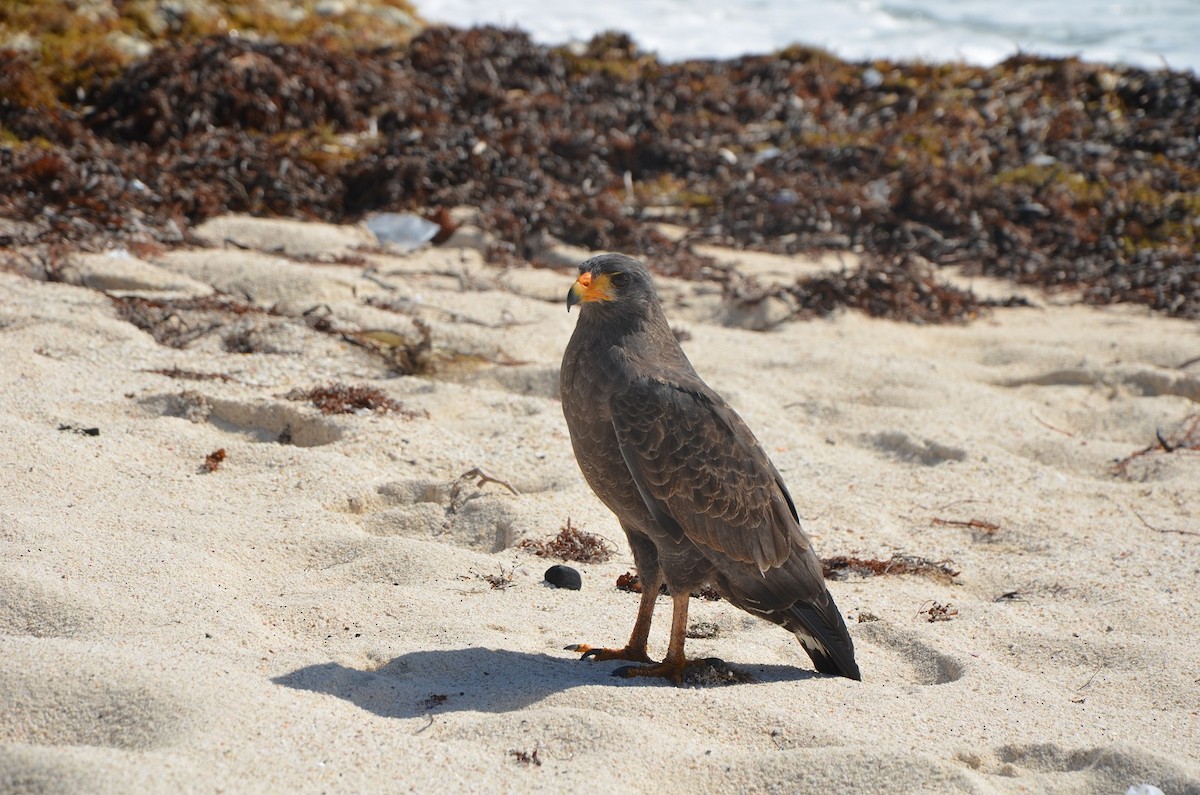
<point>611,279</point>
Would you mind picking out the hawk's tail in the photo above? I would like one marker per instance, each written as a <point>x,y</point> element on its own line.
<point>820,629</point>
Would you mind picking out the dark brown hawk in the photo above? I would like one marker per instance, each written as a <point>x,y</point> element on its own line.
<point>698,498</point>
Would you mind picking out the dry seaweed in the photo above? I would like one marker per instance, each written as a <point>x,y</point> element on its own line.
<point>177,322</point>
<point>895,288</point>
<point>840,567</point>
<point>571,543</point>
<point>1187,439</point>
<point>629,582</point>
<point>501,581</point>
<point>1048,172</point>
<point>633,584</point>
<point>527,757</point>
<point>406,356</point>
<point>212,461</point>
<point>79,429</point>
<point>702,630</point>
<point>190,375</point>
<point>936,611</point>
<point>338,398</point>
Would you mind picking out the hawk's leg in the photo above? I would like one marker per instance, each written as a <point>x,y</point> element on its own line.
<point>635,649</point>
<point>674,664</point>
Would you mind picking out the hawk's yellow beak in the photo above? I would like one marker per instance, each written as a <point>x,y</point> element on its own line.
<point>586,289</point>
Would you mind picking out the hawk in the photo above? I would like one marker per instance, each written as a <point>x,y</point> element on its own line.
<point>694,491</point>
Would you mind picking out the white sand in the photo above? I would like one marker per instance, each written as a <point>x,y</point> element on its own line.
<point>315,616</point>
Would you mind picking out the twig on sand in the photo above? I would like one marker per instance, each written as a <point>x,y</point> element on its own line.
<point>974,524</point>
<point>1080,698</point>
<point>1187,441</point>
<point>1142,519</point>
<point>1051,427</point>
<point>484,477</point>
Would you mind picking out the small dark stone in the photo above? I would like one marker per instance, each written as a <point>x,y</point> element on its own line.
<point>564,577</point>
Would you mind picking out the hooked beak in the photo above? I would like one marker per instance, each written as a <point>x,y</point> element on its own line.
<point>574,295</point>
<point>587,289</point>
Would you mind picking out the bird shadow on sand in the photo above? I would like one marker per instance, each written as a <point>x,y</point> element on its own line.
<point>480,679</point>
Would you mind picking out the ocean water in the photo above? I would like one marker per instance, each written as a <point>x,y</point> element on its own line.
<point>1146,33</point>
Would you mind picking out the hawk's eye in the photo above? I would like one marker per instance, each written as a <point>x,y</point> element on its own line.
<point>620,279</point>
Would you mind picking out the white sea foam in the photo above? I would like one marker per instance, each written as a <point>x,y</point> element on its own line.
<point>1149,33</point>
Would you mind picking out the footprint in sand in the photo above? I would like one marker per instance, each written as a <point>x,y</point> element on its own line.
<point>920,663</point>
<point>481,517</point>
<point>1144,380</point>
<point>901,446</point>
<point>267,421</point>
<point>1044,767</point>
<point>84,701</point>
<point>43,606</point>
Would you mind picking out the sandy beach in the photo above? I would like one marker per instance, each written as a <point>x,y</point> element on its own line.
<point>341,602</point>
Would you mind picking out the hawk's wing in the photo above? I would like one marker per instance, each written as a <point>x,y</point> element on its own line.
<point>703,474</point>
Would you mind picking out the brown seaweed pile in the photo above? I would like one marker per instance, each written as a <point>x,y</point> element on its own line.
<point>1044,171</point>
<point>841,567</point>
<point>571,543</point>
<point>338,398</point>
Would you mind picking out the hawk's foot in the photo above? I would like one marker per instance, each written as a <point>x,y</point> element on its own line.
<point>597,653</point>
<point>668,669</point>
